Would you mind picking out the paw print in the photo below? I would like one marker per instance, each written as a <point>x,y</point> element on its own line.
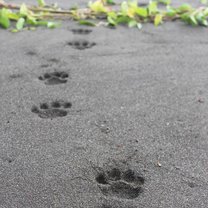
<point>121,184</point>
<point>54,78</point>
<point>81,44</point>
<point>81,31</point>
<point>52,110</point>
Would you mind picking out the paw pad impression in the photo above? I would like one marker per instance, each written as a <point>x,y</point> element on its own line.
<point>122,184</point>
<point>52,110</point>
<point>81,31</point>
<point>54,78</point>
<point>81,44</point>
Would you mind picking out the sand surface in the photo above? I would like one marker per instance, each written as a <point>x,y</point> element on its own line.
<point>119,124</point>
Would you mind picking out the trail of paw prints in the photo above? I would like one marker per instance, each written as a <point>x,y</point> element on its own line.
<point>121,184</point>
<point>81,44</point>
<point>52,110</point>
<point>81,31</point>
<point>54,78</point>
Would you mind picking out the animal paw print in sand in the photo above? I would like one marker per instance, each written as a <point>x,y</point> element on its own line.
<point>81,31</point>
<point>54,78</point>
<point>121,184</point>
<point>81,44</point>
<point>52,110</point>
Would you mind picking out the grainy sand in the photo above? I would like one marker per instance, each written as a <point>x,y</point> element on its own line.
<point>109,119</point>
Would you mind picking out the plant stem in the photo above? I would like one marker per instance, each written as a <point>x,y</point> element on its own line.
<point>41,9</point>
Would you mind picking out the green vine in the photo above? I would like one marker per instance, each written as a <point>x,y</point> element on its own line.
<point>100,12</point>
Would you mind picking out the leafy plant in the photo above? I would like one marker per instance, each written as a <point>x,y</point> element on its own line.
<point>128,13</point>
<point>41,3</point>
<point>4,18</point>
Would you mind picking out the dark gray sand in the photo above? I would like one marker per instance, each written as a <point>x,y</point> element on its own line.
<point>105,119</point>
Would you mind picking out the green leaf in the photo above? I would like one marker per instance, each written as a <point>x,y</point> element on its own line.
<point>184,8</point>
<point>13,16</point>
<point>111,21</point>
<point>97,6</point>
<point>132,23</point>
<point>123,20</point>
<point>189,19</point>
<point>48,24</point>
<point>42,23</point>
<point>152,7</point>
<point>4,19</point>
<point>124,8</point>
<point>85,22</point>
<point>142,12</point>
<point>133,4</point>
<point>110,2</point>
<point>20,23</point>
<point>192,20</point>
<point>112,14</point>
<point>201,19</point>
<point>41,3</point>
<point>204,23</point>
<point>31,20</point>
<point>14,30</point>
<point>52,25</point>
<point>171,12</point>
<point>205,12</point>
<point>158,19</point>
<point>23,10</point>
